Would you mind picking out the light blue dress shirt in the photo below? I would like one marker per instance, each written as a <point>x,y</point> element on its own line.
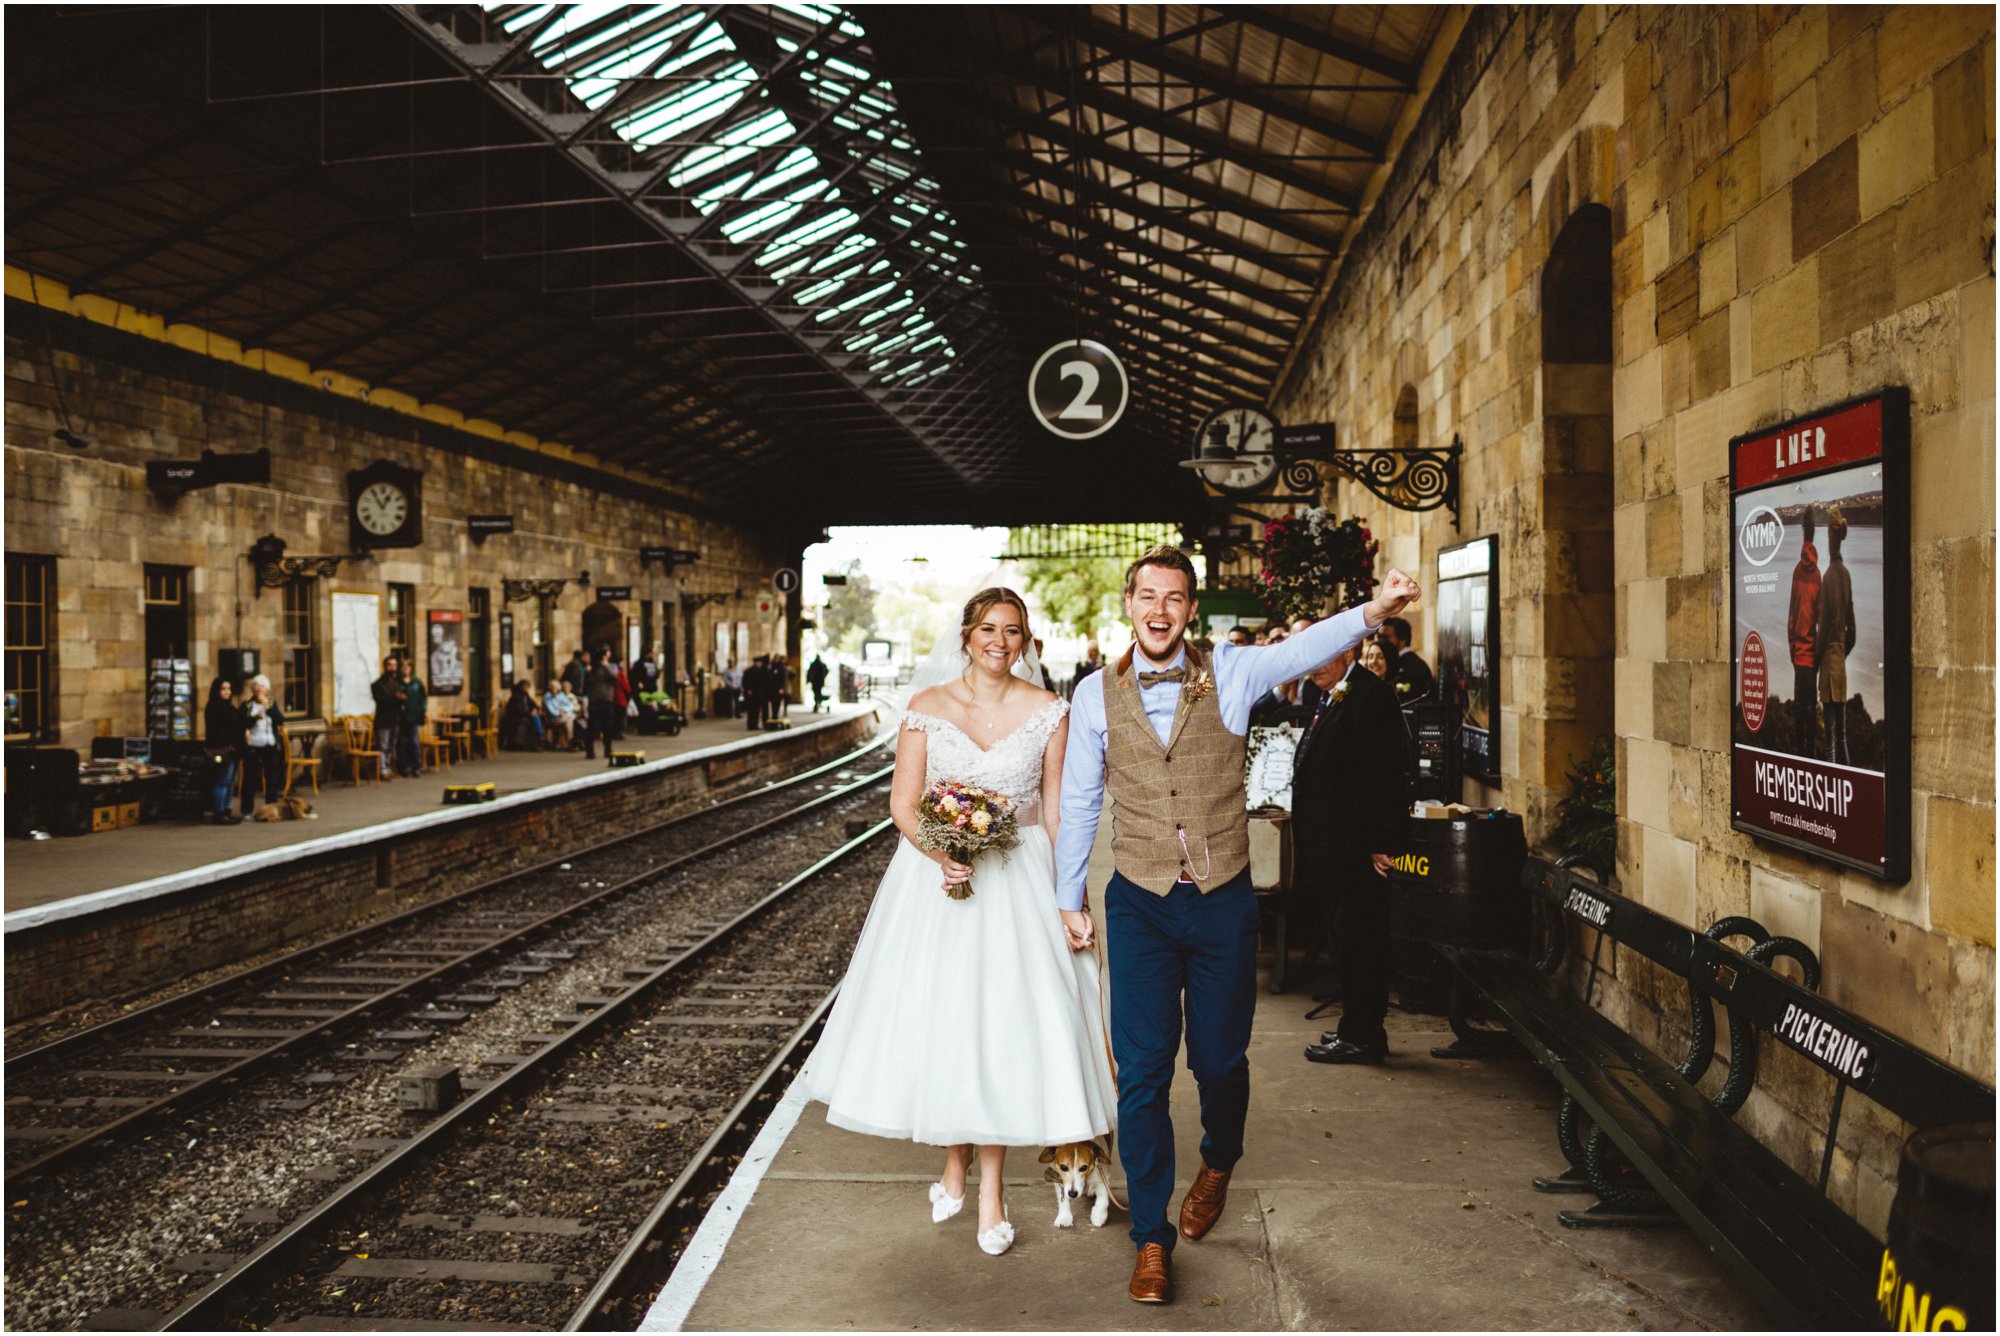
<point>1243,673</point>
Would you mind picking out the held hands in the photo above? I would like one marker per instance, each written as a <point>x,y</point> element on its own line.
<point>1382,862</point>
<point>1078,928</point>
<point>1398,591</point>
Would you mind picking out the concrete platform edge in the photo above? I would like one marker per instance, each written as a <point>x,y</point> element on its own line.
<point>698,1261</point>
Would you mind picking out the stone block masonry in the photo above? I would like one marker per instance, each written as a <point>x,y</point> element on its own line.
<point>137,946</point>
<point>1797,207</point>
<point>146,400</point>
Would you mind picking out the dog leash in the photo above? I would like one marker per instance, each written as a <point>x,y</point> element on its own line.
<point>1104,1032</point>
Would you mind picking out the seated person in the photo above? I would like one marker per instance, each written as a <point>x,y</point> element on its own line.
<point>521,720</point>
<point>559,710</point>
<point>654,707</point>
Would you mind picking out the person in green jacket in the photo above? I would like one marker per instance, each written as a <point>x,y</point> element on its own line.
<point>416,704</point>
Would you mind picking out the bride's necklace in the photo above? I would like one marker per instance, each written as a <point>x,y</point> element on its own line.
<point>972,706</point>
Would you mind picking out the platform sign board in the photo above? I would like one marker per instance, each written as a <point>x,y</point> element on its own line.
<point>1468,667</point>
<point>482,527</point>
<point>614,593</point>
<point>1078,389</point>
<point>447,652</point>
<point>1819,583</point>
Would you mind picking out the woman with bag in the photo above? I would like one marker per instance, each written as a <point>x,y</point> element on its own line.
<point>222,742</point>
<point>263,745</point>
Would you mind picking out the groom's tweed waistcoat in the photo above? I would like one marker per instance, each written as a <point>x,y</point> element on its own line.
<point>1192,783</point>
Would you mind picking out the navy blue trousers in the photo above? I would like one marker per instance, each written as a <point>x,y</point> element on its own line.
<point>1180,957</point>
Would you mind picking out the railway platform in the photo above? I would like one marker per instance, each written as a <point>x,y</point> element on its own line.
<point>112,914</point>
<point>1395,1197</point>
<point>128,862</point>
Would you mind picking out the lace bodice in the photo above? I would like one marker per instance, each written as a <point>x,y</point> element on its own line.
<point>1012,766</point>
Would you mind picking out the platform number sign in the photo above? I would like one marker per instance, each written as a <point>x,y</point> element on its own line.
<point>786,581</point>
<point>1078,389</point>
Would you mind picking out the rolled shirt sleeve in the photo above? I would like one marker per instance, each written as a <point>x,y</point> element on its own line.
<point>1243,673</point>
<point>1082,791</point>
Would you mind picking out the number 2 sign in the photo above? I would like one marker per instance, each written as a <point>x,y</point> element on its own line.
<point>1078,389</point>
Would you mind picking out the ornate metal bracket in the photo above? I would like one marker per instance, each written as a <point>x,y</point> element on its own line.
<point>275,570</point>
<point>1415,480</point>
<point>520,591</point>
<point>695,602</point>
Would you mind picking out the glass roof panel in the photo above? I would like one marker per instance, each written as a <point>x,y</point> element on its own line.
<point>845,222</point>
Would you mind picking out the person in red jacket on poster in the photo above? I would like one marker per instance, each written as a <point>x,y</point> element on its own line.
<point>1802,629</point>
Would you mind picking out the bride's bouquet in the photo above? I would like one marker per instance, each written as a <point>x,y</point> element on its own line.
<point>963,821</point>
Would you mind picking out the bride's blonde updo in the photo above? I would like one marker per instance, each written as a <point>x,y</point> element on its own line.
<point>984,602</point>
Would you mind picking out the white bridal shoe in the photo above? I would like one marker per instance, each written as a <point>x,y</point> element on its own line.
<point>999,1238</point>
<point>943,1205</point>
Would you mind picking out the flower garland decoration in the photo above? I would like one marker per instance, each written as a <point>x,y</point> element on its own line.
<point>1311,556</point>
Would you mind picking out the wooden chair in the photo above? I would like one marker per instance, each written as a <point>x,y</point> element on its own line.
<point>437,751</point>
<point>299,756</point>
<point>359,732</point>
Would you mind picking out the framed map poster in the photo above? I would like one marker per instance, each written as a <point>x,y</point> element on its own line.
<point>1468,667</point>
<point>357,650</point>
<point>1819,592</point>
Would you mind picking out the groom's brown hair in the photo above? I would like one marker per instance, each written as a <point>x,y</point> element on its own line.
<point>1164,555</point>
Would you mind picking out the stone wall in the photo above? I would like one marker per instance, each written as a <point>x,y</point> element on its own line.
<point>141,398</point>
<point>1801,206</point>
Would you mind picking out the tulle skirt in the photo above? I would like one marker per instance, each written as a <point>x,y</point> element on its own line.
<point>967,1020</point>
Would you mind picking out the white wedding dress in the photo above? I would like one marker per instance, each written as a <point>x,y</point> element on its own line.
<point>970,1020</point>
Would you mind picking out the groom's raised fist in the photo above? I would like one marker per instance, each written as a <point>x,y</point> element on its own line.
<point>1399,591</point>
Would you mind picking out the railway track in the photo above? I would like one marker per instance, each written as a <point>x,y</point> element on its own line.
<point>136,1072</point>
<point>537,1203</point>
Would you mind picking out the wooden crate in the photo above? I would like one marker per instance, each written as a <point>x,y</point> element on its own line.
<point>128,815</point>
<point>103,818</point>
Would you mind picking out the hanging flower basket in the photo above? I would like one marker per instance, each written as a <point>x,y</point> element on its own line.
<point>1311,558</point>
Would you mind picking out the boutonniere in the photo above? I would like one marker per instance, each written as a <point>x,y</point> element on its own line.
<point>1403,688</point>
<point>1198,686</point>
<point>1340,691</point>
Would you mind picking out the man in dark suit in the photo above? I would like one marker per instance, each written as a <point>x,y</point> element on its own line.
<point>1405,665</point>
<point>756,691</point>
<point>1350,796</point>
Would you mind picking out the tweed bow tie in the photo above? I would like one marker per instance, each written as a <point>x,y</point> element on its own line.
<point>1170,675</point>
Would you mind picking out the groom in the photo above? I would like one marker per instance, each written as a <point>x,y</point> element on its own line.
<point>1162,733</point>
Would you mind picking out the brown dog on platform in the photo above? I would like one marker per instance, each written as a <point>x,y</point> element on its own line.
<point>1077,1168</point>
<point>287,808</point>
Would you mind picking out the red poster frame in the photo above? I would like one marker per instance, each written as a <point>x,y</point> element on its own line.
<point>1847,815</point>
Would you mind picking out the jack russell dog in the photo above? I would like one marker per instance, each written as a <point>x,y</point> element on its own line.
<point>1075,1169</point>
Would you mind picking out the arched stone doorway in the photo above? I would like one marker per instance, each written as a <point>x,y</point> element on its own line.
<point>1579,597</point>
<point>604,627</point>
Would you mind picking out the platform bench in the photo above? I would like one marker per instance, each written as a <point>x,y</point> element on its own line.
<point>1804,1259</point>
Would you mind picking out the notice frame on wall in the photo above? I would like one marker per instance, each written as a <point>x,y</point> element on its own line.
<point>1802,622</point>
<point>357,650</point>
<point>1468,650</point>
<point>446,647</point>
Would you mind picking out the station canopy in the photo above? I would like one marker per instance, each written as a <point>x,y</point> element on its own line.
<point>797,258</point>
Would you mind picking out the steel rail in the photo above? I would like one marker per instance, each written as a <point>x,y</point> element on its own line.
<point>215,1306</point>
<point>208,1085</point>
<point>637,1268</point>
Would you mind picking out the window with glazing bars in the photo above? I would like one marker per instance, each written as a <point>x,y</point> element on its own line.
<point>402,629</point>
<point>300,699</point>
<point>31,609</point>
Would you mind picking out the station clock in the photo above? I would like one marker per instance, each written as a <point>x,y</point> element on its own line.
<point>385,506</point>
<point>1234,448</point>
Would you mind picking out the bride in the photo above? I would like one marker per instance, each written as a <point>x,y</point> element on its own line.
<point>976,1021</point>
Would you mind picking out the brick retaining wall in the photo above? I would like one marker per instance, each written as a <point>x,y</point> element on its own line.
<point>137,946</point>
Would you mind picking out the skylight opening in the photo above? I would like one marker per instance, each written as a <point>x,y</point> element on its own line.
<point>791,208</point>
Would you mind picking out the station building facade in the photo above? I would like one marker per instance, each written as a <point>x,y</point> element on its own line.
<point>1616,238</point>
<point>106,574</point>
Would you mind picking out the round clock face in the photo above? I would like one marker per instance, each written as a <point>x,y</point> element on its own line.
<point>1235,444</point>
<point>381,508</point>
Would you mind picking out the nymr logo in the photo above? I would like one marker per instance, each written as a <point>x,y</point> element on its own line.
<point>1762,534</point>
<point>1587,906</point>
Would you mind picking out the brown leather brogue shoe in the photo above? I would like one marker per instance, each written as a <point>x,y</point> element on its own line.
<point>1150,1282</point>
<point>1203,1204</point>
